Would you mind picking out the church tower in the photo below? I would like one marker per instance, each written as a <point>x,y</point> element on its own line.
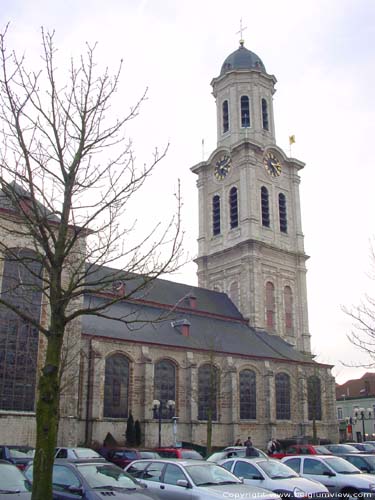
<point>250,242</point>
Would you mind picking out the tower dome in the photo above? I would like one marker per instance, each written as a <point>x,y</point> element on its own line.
<point>242,58</point>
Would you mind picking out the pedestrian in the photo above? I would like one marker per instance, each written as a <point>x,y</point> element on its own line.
<point>271,448</point>
<point>277,445</point>
<point>248,441</point>
<point>238,442</point>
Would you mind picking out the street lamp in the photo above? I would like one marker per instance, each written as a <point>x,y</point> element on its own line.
<point>363,414</point>
<point>168,408</point>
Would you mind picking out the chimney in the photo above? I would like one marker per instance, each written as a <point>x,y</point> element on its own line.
<point>192,301</point>
<point>183,325</point>
<point>118,288</point>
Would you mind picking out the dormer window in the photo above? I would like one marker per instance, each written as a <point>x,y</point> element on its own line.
<point>225,117</point>
<point>265,124</point>
<point>245,111</point>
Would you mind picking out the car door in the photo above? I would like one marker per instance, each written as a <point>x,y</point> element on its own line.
<point>169,488</point>
<point>313,468</point>
<point>62,478</point>
<point>249,473</point>
<point>152,475</point>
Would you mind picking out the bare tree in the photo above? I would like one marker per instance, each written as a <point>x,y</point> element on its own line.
<point>67,177</point>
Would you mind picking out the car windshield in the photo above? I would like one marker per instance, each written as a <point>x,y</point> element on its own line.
<point>342,448</point>
<point>341,466</point>
<point>12,479</point>
<point>86,453</point>
<point>191,454</point>
<point>276,470</point>
<point>149,454</point>
<point>106,475</point>
<point>206,475</point>
<point>322,450</point>
<point>215,457</point>
<point>21,452</point>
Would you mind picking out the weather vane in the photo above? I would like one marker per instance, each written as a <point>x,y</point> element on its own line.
<point>242,29</point>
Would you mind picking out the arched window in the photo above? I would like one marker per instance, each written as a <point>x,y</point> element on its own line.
<point>233,205</point>
<point>265,207</point>
<point>165,384</point>
<point>225,117</point>
<point>245,111</point>
<point>314,400</point>
<point>216,215</point>
<point>270,305</point>
<point>233,292</point>
<point>116,386</point>
<point>282,213</point>
<point>19,339</point>
<point>288,310</point>
<point>282,386</point>
<point>248,405</point>
<point>265,115</point>
<point>207,392</point>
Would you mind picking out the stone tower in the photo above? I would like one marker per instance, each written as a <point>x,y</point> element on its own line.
<point>250,242</point>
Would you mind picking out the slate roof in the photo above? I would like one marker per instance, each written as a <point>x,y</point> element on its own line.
<point>216,324</point>
<point>242,58</point>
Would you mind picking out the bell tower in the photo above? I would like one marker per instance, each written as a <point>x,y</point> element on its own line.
<point>250,242</point>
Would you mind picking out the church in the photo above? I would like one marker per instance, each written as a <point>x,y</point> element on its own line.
<point>234,350</point>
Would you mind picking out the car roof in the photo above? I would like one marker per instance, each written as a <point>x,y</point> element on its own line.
<point>174,461</point>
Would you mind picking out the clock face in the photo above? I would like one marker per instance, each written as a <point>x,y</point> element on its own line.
<point>222,167</point>
<point>272,164</point>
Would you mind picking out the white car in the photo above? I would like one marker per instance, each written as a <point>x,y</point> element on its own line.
<point>193,480</point>
<point>338,475</point>
<point>275,476</point>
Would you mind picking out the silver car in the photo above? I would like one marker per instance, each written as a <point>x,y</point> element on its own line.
<point>275,476</point>
<point>334,472</point>
<point>193,480</point>
<point>232,451</point>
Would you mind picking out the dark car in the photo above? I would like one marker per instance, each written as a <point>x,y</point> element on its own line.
<point>341,449</point>
<point>120,456</point>
<point>93,481</point>
<point>13,484</point>
<point>17,455</point>
<point>365,463</point>
<point>185,453</point>
<point>364,447</point>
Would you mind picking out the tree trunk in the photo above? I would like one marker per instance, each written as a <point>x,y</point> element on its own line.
<point>47,414</point>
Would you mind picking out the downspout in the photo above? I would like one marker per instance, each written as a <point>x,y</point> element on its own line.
<point>89,396</point>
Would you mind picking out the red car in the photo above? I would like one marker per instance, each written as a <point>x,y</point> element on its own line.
<point>302,449</point>
<point>179,453</point>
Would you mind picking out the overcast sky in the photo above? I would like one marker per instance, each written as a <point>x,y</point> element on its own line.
<point>322,53</point>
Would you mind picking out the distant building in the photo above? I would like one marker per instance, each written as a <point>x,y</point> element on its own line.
<point>355,405</point>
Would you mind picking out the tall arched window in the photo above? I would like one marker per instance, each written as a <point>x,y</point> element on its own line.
<point>265,115</point>
<point>282,387</point>
<point>233,205</point>
<point>216,229</point>
<point>270,305</point>
<point>314,401</point>
<point>245,111</point>
<point>248,405</point>
<point>165,384</point>
<point>233,292</point>
<point>225,117</point>
<point>116,386</point>
<point>208,384</point>
<point>265,207</point>
<point>19,339</point>
<point>288,310</point>
<point>282,213</point>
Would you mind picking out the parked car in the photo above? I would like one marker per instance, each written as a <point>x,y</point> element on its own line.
<point>17,455</point>
<point>302,449</point>
<point>365,463</point>
<point>185,453</point>
<point>13,484</point>
<point>120,456</point>
<point>232,451</point>
<point>341,449</point>
<point>76,453</point>
<point>363,447</point>
<point>338,475</point>
<point>273,475</point>
<point>193,479</point>
<point>148,454</point>
<point>93,481</point>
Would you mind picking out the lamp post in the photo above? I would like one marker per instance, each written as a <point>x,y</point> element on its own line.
<point>158,407</point>
<point>363,414</point>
